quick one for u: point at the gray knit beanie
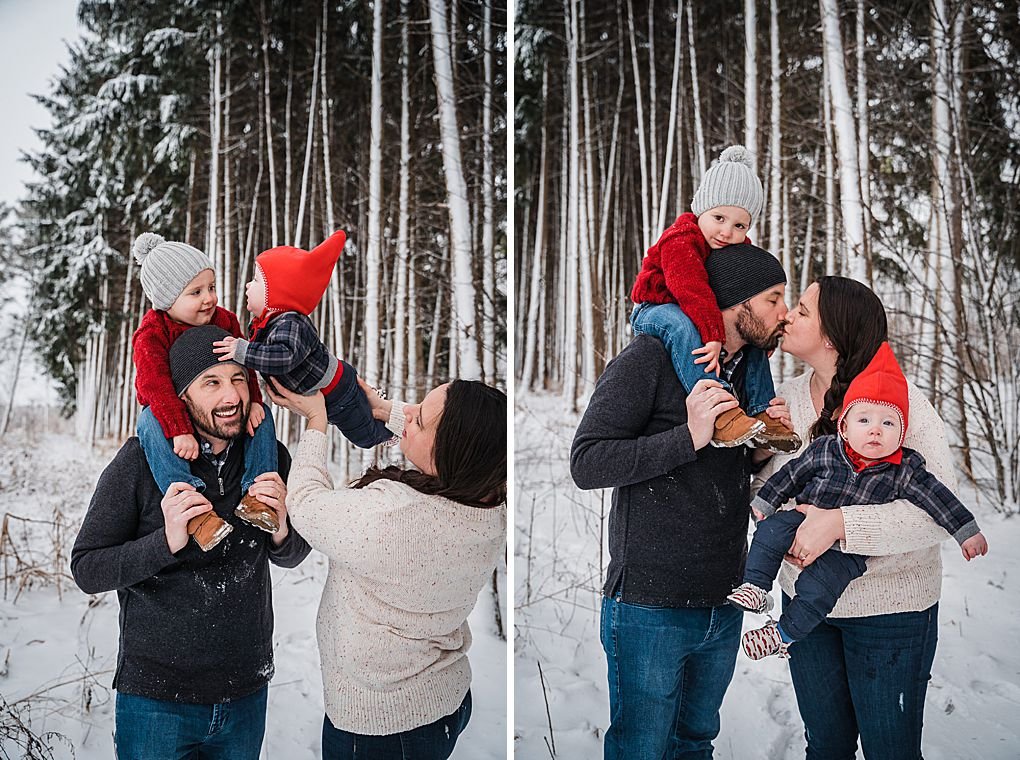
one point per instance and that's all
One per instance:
(192, 354)
(731, 181)
(739, 272)
(166, 267)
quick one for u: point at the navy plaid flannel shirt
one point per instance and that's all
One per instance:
(289, 350)
(823, 476)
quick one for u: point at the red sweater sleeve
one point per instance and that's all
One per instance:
(153, 383)
(229, 322)
(683, 257)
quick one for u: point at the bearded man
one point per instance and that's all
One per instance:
(196, 627)
(678, 525)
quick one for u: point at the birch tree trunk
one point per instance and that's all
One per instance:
(846, 142)
(215, 100)
(699, 132)
(533, 329)
(309, 140)
(646, 231)
(399, 375)
(775, 147)
(863, 137)
(373, 252)
(269, 128)
(460, 231)
(751, 79)
(570, 369)
(830, 180)
(488, 263)
(660, 222)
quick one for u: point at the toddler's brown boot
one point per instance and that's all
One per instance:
(734, 428)
(208, 529)
(262, 516)
(776, 436)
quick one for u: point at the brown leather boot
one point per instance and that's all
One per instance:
(208, 529)
(776, 436)
(262, 516)
(734, 428)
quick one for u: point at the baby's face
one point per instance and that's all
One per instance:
(197, 303)
(724, 225)
(872, 430)
(255, 290)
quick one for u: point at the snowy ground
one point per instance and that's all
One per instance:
(973, 698)
(58, 646)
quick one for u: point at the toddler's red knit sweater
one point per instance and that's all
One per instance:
(152, 341)
(673, 271)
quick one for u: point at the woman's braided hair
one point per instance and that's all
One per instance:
(853, 320)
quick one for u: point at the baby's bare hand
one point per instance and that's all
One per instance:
(226, 348)
(710, 354)
(186, 446)
(974, 546)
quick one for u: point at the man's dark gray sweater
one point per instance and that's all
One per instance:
(678, 525)
(197, 626)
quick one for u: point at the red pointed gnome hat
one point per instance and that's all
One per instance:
(881, 382)
(296, 279)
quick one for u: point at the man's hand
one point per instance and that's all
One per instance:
(180, 503)
(974, 546)
(709, 355)
(270, 489)
(186, 446)
(255, 417)
(704, 404)
(225, 348)
(778, 409)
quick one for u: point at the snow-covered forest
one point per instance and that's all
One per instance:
(888, 140)
(236, 126)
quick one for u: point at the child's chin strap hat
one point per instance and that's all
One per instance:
(296, 279)
(881, 382)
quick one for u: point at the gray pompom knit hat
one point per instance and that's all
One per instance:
(739, 272)
(192, 354)
(166, 267)
(731, 181)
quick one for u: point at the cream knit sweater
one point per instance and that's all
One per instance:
(405, 570)
(900, 539)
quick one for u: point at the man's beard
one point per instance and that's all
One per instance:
(214, 427)
(755, 332)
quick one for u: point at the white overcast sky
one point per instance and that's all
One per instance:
(32, 49)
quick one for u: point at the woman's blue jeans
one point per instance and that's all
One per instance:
(434, 741)
(668, 323)
(865, 677)
(155, 729)
(260, 453)
(668, 671)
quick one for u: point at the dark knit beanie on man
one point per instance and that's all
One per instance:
(739, 272)
(192, 354)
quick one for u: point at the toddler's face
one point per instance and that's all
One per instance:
(255, 290)
(724, 225)
(872, 430)
(197, 303)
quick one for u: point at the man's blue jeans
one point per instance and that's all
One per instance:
(668, 323)
(668, 671)
(434, 741)
(865, 677)
(154, 729)
(260, 453)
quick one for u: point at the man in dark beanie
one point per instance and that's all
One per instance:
(678, 525)
(196, 627)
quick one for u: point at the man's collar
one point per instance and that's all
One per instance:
(206, 448)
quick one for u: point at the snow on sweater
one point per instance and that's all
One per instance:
(900, 540)
(405, 569)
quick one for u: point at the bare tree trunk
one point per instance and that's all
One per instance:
(269, 128)
(309, 140)
(533, 330)
(488, 262)
(215, 100)
(863, 138)
(846, 142)
(830, 181)
(751, 79)
(699, 132)
(660, 222)
(460, 232)
(646, 231)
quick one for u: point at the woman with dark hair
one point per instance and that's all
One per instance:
(409, 550)
(864, 671)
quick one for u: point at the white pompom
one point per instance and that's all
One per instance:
(737, 154)
(145, 243)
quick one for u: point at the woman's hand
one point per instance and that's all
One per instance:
(819, 531)
(312, 408)
(381, 407)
